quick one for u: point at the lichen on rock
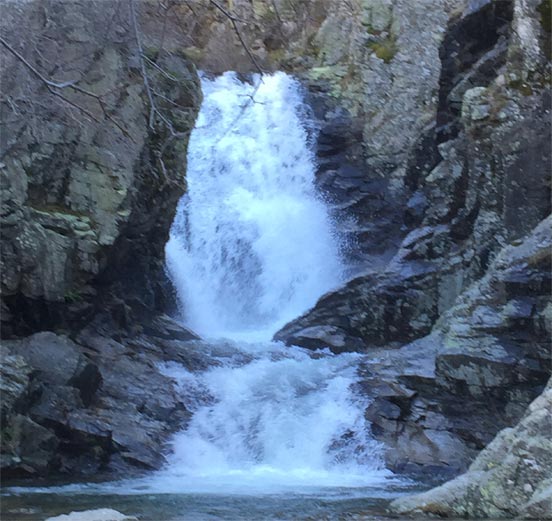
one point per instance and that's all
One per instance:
(84, 186)
(509, 478)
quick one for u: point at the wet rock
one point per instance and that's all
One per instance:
(28, 448)
(81, 407)
(370, 310)
(87, 381)
(485, 361)
(325, 337)
(166, 328)
(56, 357)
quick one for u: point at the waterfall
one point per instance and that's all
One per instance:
(252, 245)
(251, 248)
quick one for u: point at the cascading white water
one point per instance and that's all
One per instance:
(283, 421)
(251, 248)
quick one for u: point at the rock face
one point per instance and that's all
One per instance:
(91, 174)
(512, 477)
(92, 405)
(96, 115)
(470, 196)
(442, 398)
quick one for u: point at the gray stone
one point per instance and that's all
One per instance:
(84, 184)
(56, 357)
(100, 514)
(166, 328)
(511, 477)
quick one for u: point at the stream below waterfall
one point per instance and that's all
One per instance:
(276, 432)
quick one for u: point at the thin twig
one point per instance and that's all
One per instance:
(73, 104)
(160, 69)
(142, 63)
(243, 108)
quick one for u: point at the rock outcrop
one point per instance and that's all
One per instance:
(470, 196)
(512, 477)
(442, 398)
(97, 107)
(92, 405)
(91, 170)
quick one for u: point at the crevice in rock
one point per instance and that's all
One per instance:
(473, 49)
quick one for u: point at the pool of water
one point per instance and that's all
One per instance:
(36, 504)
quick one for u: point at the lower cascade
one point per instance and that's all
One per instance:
(252, 247)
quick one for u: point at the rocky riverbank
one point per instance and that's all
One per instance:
(509, 478)
(92, 406)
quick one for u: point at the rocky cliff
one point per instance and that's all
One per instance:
(91, 170)
(97, 108)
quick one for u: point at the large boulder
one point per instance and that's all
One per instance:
(510, 478)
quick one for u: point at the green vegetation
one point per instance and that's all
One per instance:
(545, 10)
(72, 296)
(385, 49)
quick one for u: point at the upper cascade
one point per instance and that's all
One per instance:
(252, 245)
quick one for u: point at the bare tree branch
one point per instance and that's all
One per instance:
(145, 79)
(51, 85)
(243, 108)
